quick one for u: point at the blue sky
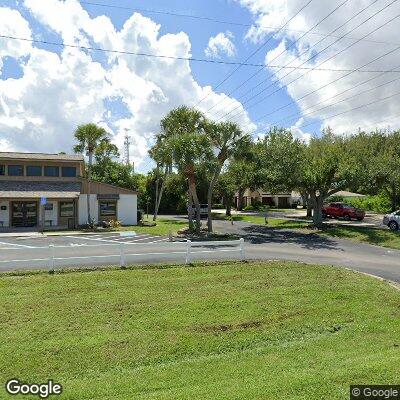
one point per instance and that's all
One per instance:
(45, 97)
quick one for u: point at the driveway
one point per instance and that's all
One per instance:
(262, 243)
(278, 244)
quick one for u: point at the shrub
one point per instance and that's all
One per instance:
(218, 207)
(379, 203)
(114, 224)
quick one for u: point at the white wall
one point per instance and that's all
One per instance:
(127, 209)
(82, 208)
(5, 215)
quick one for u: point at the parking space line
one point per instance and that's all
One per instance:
(141, 237)
(19, 245)
(95, 240)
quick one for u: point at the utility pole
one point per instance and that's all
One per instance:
(127, 145)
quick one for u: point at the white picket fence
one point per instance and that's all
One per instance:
(53, 256)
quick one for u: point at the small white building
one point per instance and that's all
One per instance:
(49, 189)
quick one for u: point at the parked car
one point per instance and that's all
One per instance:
(341, 210)
(203, 210)
(392, 220)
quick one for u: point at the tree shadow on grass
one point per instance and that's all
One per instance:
(257, 234)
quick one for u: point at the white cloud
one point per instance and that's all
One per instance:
(220, 45)
(13, 24)
(40, 110)
(298, 133)
(276, 13)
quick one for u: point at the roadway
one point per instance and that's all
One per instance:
(262, 243)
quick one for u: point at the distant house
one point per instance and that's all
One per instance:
(281, 200)
(35, 183)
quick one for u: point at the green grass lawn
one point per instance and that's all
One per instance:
(163, 227)
(272, 222)
(378, 237)
(218, 331)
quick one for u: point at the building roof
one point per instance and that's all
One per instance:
(41, 156)
(21, 189)
(344, 193)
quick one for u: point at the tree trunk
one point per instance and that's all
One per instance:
(159, 195)
(209, 198)
(309, 208)
(193, 192)
(228, 207)
(190, 211)
(156, 199)
(88, 188)
(317, 203)
(240, 196)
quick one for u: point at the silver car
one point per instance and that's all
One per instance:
(392, 220)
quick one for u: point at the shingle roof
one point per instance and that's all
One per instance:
(21, 189)
(41, 156)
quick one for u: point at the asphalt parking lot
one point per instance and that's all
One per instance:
(32, 242)
(52, 252)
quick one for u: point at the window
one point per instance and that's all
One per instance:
(66, 209)
(2, 170)
(108, 209)
(51, 171)
(15, 170)
(33, 170)
(68, 172)
(49, 207)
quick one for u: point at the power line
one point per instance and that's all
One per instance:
(170, 13)
(285, 50)
(353, 109)
(313, 56)
(254, 53)
(299, 114)
(302, 114)
(211, 19)
(329, 83)
(304, 52)
(100, 49)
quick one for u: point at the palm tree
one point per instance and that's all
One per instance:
(89, 137)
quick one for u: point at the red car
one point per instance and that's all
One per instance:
(340, 210)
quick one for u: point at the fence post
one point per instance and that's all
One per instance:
(51, 257)
(122, 255)
(242, 254)
(189, 245)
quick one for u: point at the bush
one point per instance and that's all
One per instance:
(257, 207)
(218, 207)
(379, 203)
(114, 224)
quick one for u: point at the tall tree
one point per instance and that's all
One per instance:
(89, 137)
(225, 188)
(162, 155)
(226, 141)
(324, 171)
(183, 139)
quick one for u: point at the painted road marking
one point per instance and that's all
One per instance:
(19, 245)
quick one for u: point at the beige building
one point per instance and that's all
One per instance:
(48, 189)
(281, 200)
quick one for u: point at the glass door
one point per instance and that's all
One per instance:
(24, 214)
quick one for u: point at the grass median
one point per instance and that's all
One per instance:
(218, 331)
